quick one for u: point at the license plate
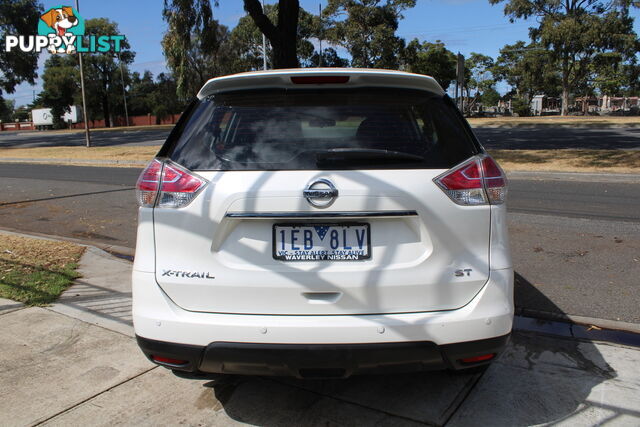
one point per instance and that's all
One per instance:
(321, 242)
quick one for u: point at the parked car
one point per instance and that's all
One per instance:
(322, 223)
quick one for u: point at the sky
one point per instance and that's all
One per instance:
(464, 26)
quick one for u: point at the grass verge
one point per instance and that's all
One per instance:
(565, 160)
(35, 271)
(114, 154)
(569, 160)
(556, 121)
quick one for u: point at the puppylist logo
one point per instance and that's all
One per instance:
(61, 30)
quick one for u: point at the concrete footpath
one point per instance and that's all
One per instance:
(77, 363)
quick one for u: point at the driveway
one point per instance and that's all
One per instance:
(76, 363)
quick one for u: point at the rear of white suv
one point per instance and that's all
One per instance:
(321, 223)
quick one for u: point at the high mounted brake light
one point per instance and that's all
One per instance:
(478, 181)
(318, 80)
(167, 185)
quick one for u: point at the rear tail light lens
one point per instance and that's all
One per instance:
(478, 181)
(167, 185)
(495, 181)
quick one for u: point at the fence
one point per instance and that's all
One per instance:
(146, 120)
(13, 126)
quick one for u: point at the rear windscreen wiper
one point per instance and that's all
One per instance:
(344, 154)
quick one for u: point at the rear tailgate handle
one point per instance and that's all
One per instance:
(322, 297)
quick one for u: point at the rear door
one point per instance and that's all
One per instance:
(322, 203)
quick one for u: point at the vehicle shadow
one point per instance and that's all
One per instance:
(539, 379)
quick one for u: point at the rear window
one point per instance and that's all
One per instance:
(323, 130)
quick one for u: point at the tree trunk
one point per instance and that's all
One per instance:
(284, 36)
(565, 86)
(106, 111)
(286, 54)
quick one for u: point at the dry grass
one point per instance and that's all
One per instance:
(121, 128)
(129, 153)
(586, 121)
(569, 160)
(35, 271)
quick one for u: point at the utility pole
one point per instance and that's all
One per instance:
(460, 82)
(87, 135)
(264, 44)
(320, 17)
(124, 93)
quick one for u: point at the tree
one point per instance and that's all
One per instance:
(195, 45)
(366, 28)
(282, 35)
(330, 58)
(191, 24)
(6, 110)
(478, 68)
(432, 59)
(478, 77)
(246, 40)
(575, 32)
(529, 69)
(60, 86)
(141, 93)
(490, 97)
(18, 17)
(103, 81)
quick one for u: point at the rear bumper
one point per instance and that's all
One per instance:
(167, 330)
(320, 360)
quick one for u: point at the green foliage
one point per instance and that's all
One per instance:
(61, 83)
(330, 58)
(478, 72)
(520, 107)
(192, 29)
(490, 97)
(432, 59)
(6, 109)
(18, 17)
(575, 32)
(366, 28)
(529, 69)
(157, 97)
(283, 34)
(195, 45)
(246, 41)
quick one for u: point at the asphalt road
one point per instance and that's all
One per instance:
(575, 243)
(559, 138)
(492, 138)
(98, 139)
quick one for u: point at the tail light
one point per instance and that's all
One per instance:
(167, 185)
(478, 181)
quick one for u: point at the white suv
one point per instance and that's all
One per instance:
(321, 223)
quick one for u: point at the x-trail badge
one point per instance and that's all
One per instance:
(321, 193)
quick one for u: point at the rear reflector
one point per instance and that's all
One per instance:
(478, 181)
(169, 360)
(319, 80)
(477, 359)
(167, 185)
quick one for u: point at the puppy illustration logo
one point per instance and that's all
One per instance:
(64, 23)
(62, 30)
